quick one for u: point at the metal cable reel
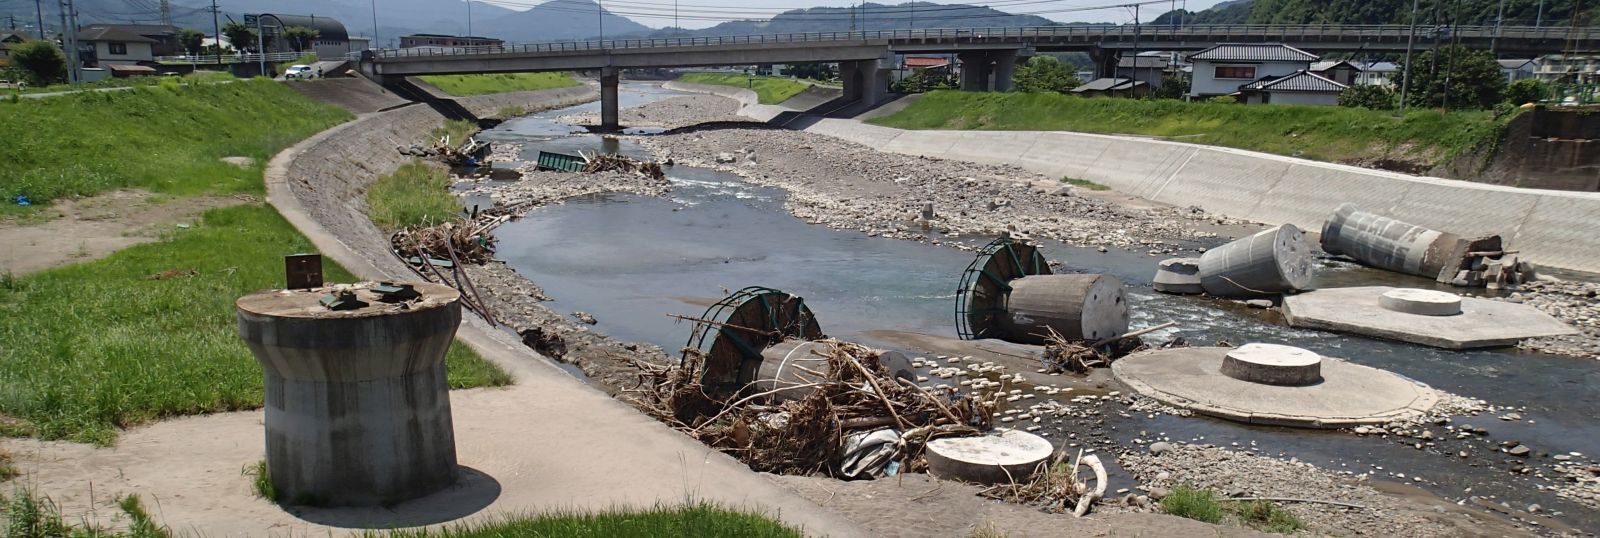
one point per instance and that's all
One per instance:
(734, 331)
(1009, 292)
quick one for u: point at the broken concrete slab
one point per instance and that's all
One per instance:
(1481, 323)
(1348, 395)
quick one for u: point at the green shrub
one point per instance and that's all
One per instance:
(40, 61)
(1224, 99)
(1371, 97)
(1044, 74)
(416, 194)
(1193, 503)
(1528, 90)
(1263, 515)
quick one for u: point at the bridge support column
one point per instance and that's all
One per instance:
(974, 71)
(1005, 65)
(608, 98)
(865, 81)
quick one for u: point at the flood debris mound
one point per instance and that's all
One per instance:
(608, 162)
(469, 153)
(460, 241)
(859, 421)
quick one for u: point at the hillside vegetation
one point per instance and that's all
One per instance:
(1421, 138)
(769, 90)
(168, 138)
(468, 85)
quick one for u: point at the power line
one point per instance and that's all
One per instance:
(634, 6)
(820, 17)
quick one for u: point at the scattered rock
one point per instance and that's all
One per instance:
(1160, 447)
(1520, 451)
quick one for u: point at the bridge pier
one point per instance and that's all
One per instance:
(1005, 65)
(608, 98)
(865, 81)
(974, 71)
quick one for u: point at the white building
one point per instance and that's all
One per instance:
(1300, 88)
(1516, 70)
(1385, 74)
(1224, 69)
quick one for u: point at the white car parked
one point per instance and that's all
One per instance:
(298, 71)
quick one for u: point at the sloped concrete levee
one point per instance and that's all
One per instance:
(1552, 228)
(552, 443)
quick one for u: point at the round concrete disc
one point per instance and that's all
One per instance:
(999, 457)
(1421, 302)
(1179, 275)
(1272, 364)
(1349, 394)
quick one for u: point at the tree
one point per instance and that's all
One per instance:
(242, 36)
(1043, 74)
(41, 62)
(923, 81)
(813, 71)
(300, 36)
(1475, 80)
(1370, 97)
(1173, 86)
(191, 40)
(1528, 90)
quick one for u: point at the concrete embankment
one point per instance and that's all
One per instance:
(554, 443)
(1554, 229)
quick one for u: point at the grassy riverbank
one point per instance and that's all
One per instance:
(149, 332)
(1327, 133)
(769, 90)
(416, 194)
(468, 85)
(167, 138)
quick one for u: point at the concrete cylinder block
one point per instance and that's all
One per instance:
(357, 403)
(1390, 244)
(1273, 364)
(1269, 262)
(1421, 302)
(1179, 275)
(1000, 457)
(1079, 307)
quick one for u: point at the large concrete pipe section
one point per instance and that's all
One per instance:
(1078, 307)
(357, 404)
(1398, 246)
(789, 366)
(1270, 262)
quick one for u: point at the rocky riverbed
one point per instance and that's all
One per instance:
(1576, 303)
(848, 186)
(670, 113)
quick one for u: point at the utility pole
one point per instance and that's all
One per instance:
(261, 48)
(1499, 17)
(1455, 50)
(1411, 40)
(469, 18)
(374, 25)
(675, 25)
(66, 46)
(216, 30)
(600, 15)
(1538, 18)
(39, 10)
(852, 18)
(166, 13)
(1135, 46)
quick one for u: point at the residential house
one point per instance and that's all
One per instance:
(1146, 68)
(109, 45)
(1339, 71)
(1298, 88)
(6, 41)
(1516, 70)
(1113, 87)
(1386, 74)
(332, 41)
(164, 38)
(1223, 69)
(441, 40)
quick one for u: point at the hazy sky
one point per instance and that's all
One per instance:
(705, 13)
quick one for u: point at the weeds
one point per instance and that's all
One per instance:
(457, 130)
(1084, 183)
(260, 481)
(513, 111)
(30, 515)
(1205, 505)
(415, 194)
(141, 525)
(1263, 515)
(769, 90)
(1328, 133)
(1193, 503)
(7, 468)
(467, 85)
(698, 520)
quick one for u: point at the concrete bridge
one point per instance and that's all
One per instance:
(988, 55)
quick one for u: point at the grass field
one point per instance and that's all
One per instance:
(97, 346)
(769, 90)
(197, 77)
(415, 194)
(166, 138)
(27, 514)
(1325, 133)
(693, 521)
(466, 85)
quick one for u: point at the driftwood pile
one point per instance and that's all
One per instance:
(808, 435)
(1058, 487)
(469, 153)
(1062, 355)
(436, 253)
(609, 162)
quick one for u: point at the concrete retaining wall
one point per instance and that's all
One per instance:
(1556, 229)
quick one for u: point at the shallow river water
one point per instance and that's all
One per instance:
(632, 260)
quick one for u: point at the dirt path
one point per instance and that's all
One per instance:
(82, 229)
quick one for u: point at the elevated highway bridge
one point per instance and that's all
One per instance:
(988, 55)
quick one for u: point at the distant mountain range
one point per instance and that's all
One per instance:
(1430, 12)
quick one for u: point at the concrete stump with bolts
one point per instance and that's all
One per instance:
(357, 403)
(1272, 364)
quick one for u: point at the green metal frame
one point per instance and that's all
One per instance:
(706, 335)
(984, 267)
(560, 161)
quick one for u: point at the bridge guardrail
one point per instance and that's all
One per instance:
(1257, 31)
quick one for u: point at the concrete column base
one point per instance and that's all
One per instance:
(974, 71)
(1005, 65)
(609, 78)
